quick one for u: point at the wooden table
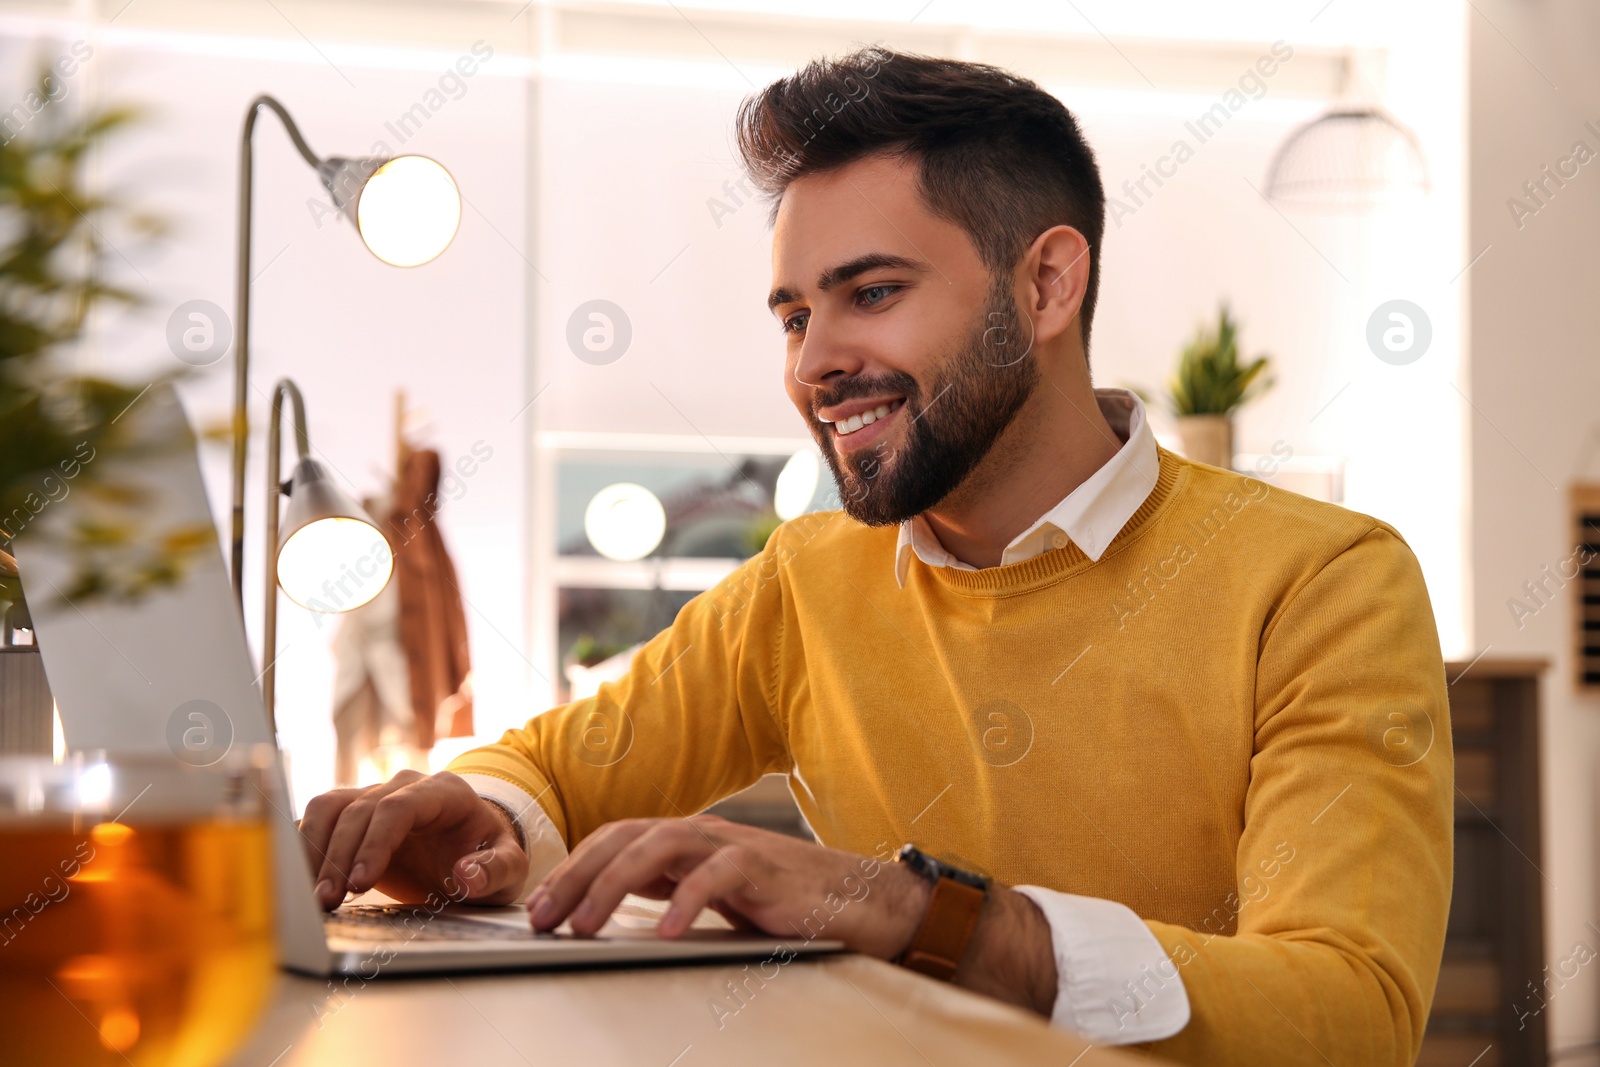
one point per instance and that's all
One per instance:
(842, 1009)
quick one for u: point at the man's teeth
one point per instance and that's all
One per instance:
(866, 418)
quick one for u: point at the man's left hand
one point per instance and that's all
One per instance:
(754, 878)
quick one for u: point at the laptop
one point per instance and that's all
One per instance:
(120, 672)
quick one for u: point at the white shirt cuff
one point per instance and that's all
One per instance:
(541, 842)
(1117, 986)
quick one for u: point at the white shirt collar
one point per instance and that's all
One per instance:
(1091, 515)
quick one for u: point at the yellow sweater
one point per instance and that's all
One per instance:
(1235, 723)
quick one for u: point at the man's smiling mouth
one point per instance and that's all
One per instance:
(866, 418)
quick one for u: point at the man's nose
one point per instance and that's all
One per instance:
(826, 354)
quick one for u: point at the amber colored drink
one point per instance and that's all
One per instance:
(132, 943)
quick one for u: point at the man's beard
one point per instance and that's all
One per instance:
(975, 398)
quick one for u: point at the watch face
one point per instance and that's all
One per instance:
(918, 861)
(933, 869)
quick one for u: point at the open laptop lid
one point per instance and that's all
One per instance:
(171, 672)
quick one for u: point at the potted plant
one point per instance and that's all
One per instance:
(55, 422)
(1210, 384)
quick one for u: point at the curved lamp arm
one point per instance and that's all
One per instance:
(241, 314)
(275, 489)
(414, 221)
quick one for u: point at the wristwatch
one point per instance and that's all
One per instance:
(953, 910)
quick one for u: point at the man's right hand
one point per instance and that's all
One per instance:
(414, 835)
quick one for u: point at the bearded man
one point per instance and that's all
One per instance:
(1125, 718)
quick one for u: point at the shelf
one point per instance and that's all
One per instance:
(677, 574)
(696, 444)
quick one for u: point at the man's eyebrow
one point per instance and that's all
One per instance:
(842, 273)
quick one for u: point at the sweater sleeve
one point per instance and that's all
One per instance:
(690, 723)
(1329, 951)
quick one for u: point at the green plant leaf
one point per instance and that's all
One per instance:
(1209, 379)
(54, 421)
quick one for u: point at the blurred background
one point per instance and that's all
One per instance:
(1447, 184)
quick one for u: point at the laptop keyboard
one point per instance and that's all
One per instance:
(401, 922)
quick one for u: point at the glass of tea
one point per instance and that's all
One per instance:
(136, 910)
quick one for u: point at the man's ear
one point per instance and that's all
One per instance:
(1057, 275)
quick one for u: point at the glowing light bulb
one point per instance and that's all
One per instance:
(797, 484)
(625, 521)
(409, 210)
(334, 564)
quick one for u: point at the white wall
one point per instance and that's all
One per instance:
(1304, 285)
(626, 170)
(347, 328)
(1535, 383)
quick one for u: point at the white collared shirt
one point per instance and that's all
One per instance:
(1105, 954)
(1091, 515)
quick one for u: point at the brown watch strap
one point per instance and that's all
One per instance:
(947, 926)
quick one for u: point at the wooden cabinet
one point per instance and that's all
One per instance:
(1488, 1010)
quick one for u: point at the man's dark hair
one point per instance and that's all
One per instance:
(999, 156)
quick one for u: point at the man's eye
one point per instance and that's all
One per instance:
(875, 294)
(796, 323)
